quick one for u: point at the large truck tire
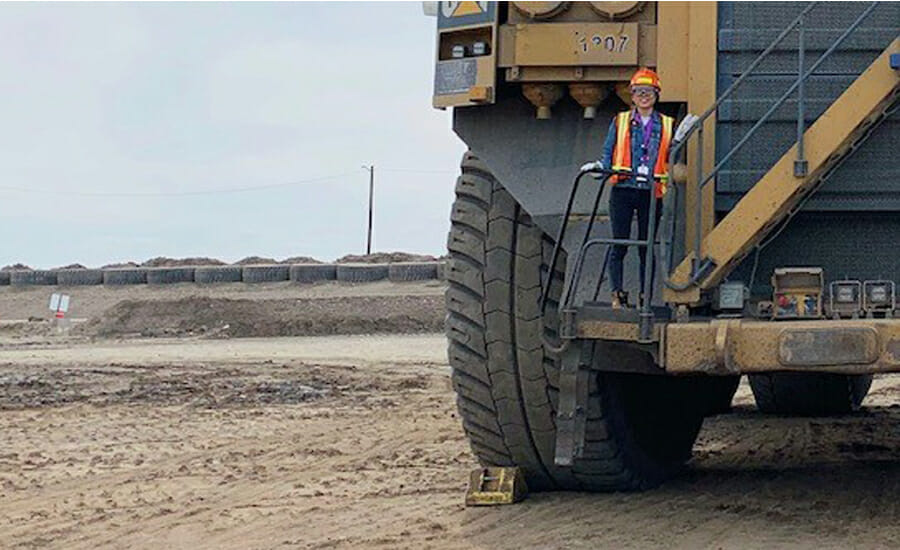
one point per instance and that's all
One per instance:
(79, 277)
(362, 273)
(265, 273)
(719, 392)
(169, 275)
(640, 428)
(313, 273)
(412, 271)
(809, 394)
(125, 276)
(214, 274)
(36, 277)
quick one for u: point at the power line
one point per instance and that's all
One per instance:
(417, 171)
(206, 191)
(173, 193)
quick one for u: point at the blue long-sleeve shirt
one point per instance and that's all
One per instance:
(637, 142)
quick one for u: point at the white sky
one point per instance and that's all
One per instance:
(172, 98)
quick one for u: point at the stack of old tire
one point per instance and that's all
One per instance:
(251, 270)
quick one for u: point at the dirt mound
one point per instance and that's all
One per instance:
(16, 267)
(241, 318)
(300, 260)
(71, 266)
(384, 258)
(31, 328)
(255, 260)
(162, 261)
(120, 265)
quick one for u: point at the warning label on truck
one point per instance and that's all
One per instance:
(458, 14)
(454, 76)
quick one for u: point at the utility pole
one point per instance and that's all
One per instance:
(371, 170)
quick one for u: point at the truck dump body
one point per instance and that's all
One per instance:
(853, 220)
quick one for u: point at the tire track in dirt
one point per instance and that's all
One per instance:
(274, 454)
(379, 461)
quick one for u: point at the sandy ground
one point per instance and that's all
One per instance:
(353, 442)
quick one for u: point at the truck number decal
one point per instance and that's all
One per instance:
(609, 42)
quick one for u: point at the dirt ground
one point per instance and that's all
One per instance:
(223, 311)
(352, 441)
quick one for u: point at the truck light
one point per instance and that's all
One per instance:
(458, 51)
(846, 295)
(480, 48)
(878, 296)
(732, 296)
(846, 298)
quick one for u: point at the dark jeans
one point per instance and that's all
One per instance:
(623, 203)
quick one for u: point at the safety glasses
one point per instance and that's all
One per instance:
(643, 91)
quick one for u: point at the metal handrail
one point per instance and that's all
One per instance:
(700, 265)
(571, 285)
(734, 85)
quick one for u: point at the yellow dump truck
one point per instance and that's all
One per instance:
(777, 254)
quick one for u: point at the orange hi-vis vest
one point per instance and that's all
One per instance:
(621, 158)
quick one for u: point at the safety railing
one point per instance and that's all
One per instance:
(571, 285)
(702, 266)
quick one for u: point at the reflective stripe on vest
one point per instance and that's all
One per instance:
(621, 159)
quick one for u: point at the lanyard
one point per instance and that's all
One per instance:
(646, 132)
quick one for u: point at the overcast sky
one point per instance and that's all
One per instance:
(158, 98)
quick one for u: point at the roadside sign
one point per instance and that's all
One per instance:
(59, 304)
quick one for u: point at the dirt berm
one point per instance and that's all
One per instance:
(242, 318)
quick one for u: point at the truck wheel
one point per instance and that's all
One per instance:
(640, 428)
(809, 394)
(719, 392)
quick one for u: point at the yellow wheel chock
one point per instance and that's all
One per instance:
(495, 485)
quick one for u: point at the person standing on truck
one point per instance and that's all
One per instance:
(638, 143)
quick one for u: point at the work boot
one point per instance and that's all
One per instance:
(619, 299)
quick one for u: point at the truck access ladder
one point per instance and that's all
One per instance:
(781, 191)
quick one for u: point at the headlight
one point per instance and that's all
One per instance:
(878, 296)
(846, 298)
(846, 295)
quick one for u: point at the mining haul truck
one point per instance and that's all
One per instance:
(777, 254)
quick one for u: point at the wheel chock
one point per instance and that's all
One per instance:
(495, 485)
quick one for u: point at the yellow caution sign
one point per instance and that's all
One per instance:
(462, 9)
(457, 14)
(468, 8)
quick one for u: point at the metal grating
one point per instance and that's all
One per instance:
(870, 180)
(830, 232)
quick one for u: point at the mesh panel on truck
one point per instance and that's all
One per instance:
(850, 227)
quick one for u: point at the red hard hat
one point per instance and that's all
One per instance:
(645, 77)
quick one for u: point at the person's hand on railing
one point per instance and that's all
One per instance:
(687, 124)
(595, 166)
